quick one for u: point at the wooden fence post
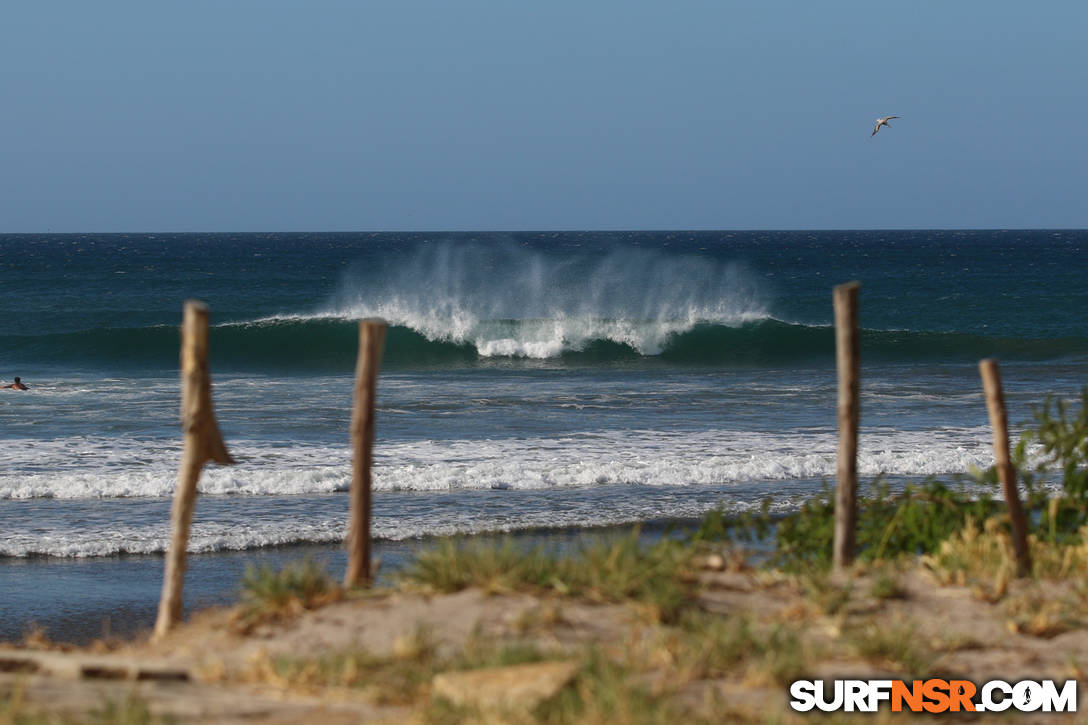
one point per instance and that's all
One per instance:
(371, 343)
(847, 358)
(999, 422)
(202, 442)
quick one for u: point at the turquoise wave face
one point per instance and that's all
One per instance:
(330, 345)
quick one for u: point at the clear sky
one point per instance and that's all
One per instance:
(264, 115)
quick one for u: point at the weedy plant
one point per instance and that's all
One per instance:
(917, 520)
(711, 646)
(886, 584)
(1062, 438)
(268, 593)
(455, 564)
(606, 692)
(395, 679)
(897, 644)
(133, 710)
(622, 568)
(914, 521)
(827, 594)
(1042, 614)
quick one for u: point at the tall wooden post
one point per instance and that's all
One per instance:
(202, 442)
(849, 367)
(999, 422)
(371, 343)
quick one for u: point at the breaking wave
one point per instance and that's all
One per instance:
(467, 304)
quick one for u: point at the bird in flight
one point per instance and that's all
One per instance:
(882, 122)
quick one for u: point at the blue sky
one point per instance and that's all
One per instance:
(246, 115)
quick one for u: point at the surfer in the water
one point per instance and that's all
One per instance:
(17, 385)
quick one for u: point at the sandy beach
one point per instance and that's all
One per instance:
(543, 363)
(508, 656)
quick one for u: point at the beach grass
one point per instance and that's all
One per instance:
(400, 677)
(892, 644)
(707, 646)
(659, 576)
(131, 710)
(268, 593)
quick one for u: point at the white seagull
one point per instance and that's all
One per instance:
(882, 122)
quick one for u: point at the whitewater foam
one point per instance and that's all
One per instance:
(513, 302)
(126, 468)
(242, 524)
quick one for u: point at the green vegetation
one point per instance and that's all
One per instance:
(912, 522)
(605, 692)
(636, 681)
(894, 644)
(659, 576)
(886, 584)
(1063, 439)
(829, 596)
(918, 520)
(982, 550)
(612, 684)
(395, 679)
(712, 646)
(131, 711)
(268, 593)
(399, 678)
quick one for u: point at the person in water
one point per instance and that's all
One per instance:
(17, 385)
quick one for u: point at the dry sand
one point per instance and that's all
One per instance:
(210, 671)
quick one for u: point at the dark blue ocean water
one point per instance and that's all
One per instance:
(531, 380)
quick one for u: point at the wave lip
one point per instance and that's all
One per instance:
(508, 301)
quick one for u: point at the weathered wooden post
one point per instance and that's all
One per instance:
(371, 343)
(202, 442)
(999, 422)
(849, 367)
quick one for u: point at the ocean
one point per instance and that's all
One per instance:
(544, 383)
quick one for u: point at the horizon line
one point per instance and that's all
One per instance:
(556, 230)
